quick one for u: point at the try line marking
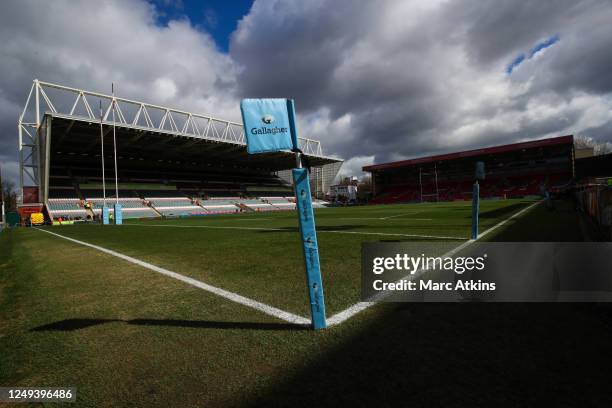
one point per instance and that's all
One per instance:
(358, 307)
(234, 297)
(392, 234)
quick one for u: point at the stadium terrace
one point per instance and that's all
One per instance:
(519, 170)
(170, 163)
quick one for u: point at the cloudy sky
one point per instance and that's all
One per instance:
(374, 81)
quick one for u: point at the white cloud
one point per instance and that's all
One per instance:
(372, 80)
(353, 166)
(164, 89)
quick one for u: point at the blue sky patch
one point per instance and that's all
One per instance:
(543, 45)
(219, 18)
(532, 52)
(517, 61)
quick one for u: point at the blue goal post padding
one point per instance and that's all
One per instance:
(105, 215)
(118, 216)
(303, 201)
(269, 125)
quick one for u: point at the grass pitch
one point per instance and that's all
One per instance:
(259, 255)
(126, 336)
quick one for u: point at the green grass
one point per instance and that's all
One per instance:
(126, 336)
(259, 254)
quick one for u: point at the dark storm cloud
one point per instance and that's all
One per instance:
(379, 81)
(423, 76)
(503, 28)
(293, 49)
(343, 56)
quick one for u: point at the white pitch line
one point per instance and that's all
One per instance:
(348, 313)
(398, 215)
(234, 297)
(391, 234)
(360, 306)
(379, 219)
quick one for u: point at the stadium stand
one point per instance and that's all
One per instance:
(595, 166)
(143, 193)
(55, 192)
(281, 203)
(68, 208)
(220, 205)
(184, 155)
(256, 205)
(512, 171)
(174, 193)
(110, 193)
(130, 207)
(175, 206)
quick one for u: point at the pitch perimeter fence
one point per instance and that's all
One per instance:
(594, 198)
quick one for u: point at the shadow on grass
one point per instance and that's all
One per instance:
(469, 354)
(542, 225)
(79, 324)
(449, 355)
(500, 212)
